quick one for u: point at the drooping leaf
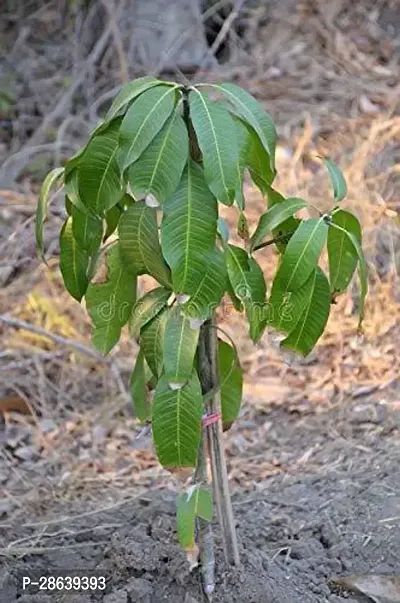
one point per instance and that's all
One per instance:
(68, 205)
(337, 179)
(99, 180)
(362, 267)
(176, 422)
(206, 294)
(278, 213)
(140, 245)
(188, 229)
(248, 285)
(138, 388)
(152, 341)
(196, 501)
(231, 382)
(259, 164)
(110, 303)
(250, 110)
(142, 122)
(41, 209)
(112, 217)
(72, 190)
(243, 146)
(180, 344)
(302, 253)
(288, 227)
(342, 256)
(129, 92)
(159, 169)
(74, 262)
(314, 318)
(223, 230)
(87, 230)
(146, 308)
(284, 308)
(215, 133)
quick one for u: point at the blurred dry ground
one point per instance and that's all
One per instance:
(328, 72)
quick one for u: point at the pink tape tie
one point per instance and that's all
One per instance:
(211, 418)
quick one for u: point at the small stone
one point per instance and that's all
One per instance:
(27, 453)
(47, 425)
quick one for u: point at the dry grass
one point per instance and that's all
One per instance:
(326, 83)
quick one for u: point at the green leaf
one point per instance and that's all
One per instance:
(223, 229)
(248, 285)
(74, 262)
(243, 145)
(342, 256)
(243, 227)
(337, 179)
(147, 307)
(188, 229)
(99, 180)
(231, 382)
(215, 133)
(110, 303)
(129, 92)
(176, 422)
(274, 217)
(158, 170)
(302, 253)
(206, 294)
(142, 122)
(41, 209)
(152, 341)
(288, 227)
(195, 502)
(112, 218)
(237, 304)
(362, 267)
(314, 318)
(72, 190)
(87, 230)
(284, 307)
(250, 110)
(138, 390)
(258, 162)
(180, 344)
(140, 245)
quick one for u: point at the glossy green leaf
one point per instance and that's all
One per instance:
(284, 308)
(87, 230)
(288, 227)
(140, 245)
(41, 209)
(112, 217)
(129, 92)
(74, 262)
(146, 308)
(196, 501)
(110, 303)
(99, 180)
(314, 318)
(180, 344)
(362, 267)
(68, 205)
(258, 162)
(302, 253)
(158, 170)
(231, 382)
(342, 256)
(142, 122)
(189, 229)
(152, 342)
(337, 179)
(72, 190)
(215, 133)
(250, 110)
(176, 422)
(243, 141)
(138, 389)
(248, 285)
(207, 293)
(274, 217)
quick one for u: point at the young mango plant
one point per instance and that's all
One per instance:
(144, 195)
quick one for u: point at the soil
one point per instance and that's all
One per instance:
(297, 530)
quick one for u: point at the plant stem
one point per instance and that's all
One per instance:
(208, 362)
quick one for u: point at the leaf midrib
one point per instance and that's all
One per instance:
(299, 259)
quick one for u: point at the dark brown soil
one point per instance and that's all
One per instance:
(297, 530)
